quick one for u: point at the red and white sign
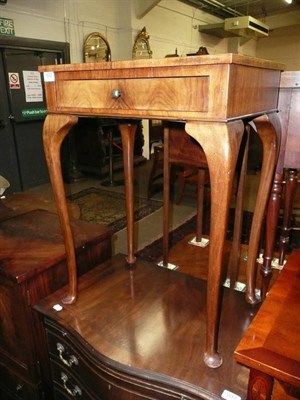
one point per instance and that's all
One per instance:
(14, 80)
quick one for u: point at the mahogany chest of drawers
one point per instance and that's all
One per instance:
(137, 332)
(33, 265)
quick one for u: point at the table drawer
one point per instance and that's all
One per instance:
(138, 95)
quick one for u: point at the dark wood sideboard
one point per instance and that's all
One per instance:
(33, 265)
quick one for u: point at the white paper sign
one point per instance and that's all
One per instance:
(49, 76)
(33, 86)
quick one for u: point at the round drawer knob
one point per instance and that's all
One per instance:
(116, 93)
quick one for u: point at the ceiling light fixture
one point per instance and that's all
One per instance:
(288, 1)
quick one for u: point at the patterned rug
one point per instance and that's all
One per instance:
(108, 208)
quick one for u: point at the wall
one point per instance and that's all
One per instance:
(171, 25)
(69, 21)
(282, 45)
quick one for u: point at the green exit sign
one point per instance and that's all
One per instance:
(7, 27)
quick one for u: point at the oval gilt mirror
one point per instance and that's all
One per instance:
(96, 48)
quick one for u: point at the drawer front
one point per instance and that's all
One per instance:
(13, 387)
(137, 96)
(94, 378)
(60, 394)
(67, 364)
(67, 385)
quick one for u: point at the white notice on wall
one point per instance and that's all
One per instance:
(33, 86)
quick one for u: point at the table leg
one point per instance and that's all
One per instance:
(265, 127)
(128, 137)
(235, 252)
(270, 234)
(56, 128)
(200, 203)
(221, 143)
(290, 193)
(166, 197)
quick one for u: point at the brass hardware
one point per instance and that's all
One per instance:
(71, 361)
(72, 392)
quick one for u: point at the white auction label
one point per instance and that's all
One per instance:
(230, 396)
(49, 76)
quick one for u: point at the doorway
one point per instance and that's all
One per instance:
(23, 109)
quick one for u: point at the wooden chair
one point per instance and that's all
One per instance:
(189, 175)
(156, 173)
(181, 149)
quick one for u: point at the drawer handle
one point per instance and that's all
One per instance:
(72, 392)
(71, 361)
(116, 93)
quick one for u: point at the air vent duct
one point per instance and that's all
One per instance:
(244, 26)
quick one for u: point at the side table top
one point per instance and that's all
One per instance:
(223, 87)
(271, 343)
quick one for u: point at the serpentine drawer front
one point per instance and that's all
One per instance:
(76, 372)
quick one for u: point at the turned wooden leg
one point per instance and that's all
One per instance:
(128, 138)
(290, 193)
(270, 234)
(56, 127)
(221, 143)
(268, 135)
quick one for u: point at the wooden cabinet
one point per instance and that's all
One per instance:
(33, 265)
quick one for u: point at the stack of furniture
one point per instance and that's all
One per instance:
(288, 165)
(216, 96)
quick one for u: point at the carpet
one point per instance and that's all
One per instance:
(108, 208)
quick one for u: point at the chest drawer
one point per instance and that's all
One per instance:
(76, 368)
(14, 387)
(68, 385)
(73, 372)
